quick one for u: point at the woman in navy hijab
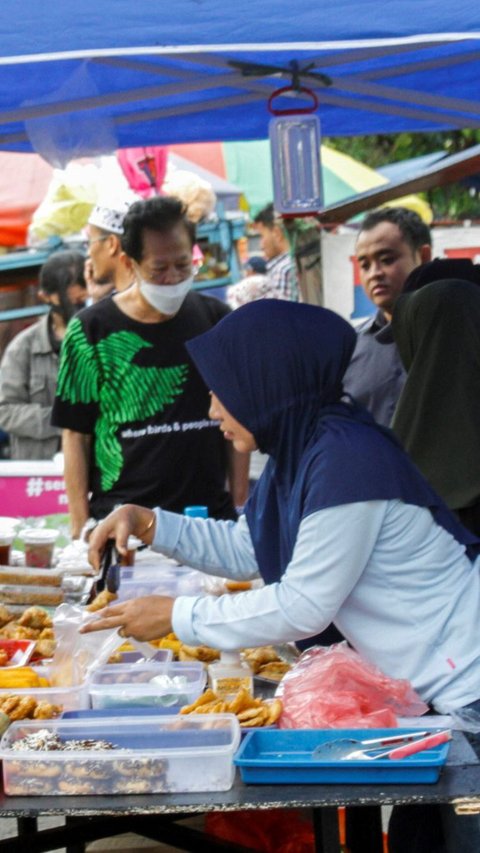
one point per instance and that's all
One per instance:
(341, 526)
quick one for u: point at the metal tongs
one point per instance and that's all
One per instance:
(398, 746)
(109, 576)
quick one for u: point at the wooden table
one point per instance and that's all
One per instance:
(155, 816)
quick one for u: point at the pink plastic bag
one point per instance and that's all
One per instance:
(333, 687)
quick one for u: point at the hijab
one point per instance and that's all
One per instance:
(437, 331)
(277, 367)
(442, 269)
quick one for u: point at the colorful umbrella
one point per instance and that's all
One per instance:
(248, 165)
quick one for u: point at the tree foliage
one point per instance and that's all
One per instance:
(459, 200)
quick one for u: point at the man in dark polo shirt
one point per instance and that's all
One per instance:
(392, 242)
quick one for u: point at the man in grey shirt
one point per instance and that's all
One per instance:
(391, 243)
(29, 367)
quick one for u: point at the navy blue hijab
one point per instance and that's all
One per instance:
(277, 367)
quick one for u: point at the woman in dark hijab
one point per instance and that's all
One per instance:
(437, 419)
(325, 525)
(341, 525)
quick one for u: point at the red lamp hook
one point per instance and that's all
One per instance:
(298, 110)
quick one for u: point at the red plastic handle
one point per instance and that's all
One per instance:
(295, 110)
(419, 745)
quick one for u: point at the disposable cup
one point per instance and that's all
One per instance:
(39, 544)
(7, 536)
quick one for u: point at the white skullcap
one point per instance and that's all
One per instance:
(109, 218)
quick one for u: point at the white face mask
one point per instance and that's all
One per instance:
(165, 298)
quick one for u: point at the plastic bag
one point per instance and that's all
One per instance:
(77, 654)
(333, 687)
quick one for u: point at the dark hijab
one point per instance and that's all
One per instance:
(277, 367)
(437, 331)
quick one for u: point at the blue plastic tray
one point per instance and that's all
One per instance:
(285, 756)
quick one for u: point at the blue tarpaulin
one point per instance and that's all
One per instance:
(85, 78)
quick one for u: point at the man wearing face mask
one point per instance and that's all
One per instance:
(133, 408)
(28, 371)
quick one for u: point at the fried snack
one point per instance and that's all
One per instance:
(238, 586)
(102, 600)
(275, 670)
(46, 634)
(250, 712)
(23, 708)
(35, 617)
(14, 631)
(46, 710)
(27, 708)
(202, 653)
(208, 696)
(5, 615)
(260, 656)
(240, 701)
(45, 648)
(3, 657)
(275, 708)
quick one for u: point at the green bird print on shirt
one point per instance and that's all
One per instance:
(103, 373)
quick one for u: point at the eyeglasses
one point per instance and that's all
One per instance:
(92, 240)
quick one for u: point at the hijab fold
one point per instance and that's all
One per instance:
(277, 367)
(437, 419)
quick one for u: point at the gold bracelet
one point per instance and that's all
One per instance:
(148, 527)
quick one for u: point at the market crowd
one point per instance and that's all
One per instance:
(366, 516)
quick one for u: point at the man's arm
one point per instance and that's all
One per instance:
(76, 451)
(238, 466)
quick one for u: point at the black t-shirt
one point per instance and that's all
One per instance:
(134, 388)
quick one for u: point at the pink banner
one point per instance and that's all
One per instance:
(34, 495)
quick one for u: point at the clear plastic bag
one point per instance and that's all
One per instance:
(77, 654)
(333, 687)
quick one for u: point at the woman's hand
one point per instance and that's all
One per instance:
(128, 520)
(146, 618)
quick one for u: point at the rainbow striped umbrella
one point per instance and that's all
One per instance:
(248, 166)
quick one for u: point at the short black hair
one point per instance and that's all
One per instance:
(257, 264)
(161, 213)
(266, 216)
(61, 270)
(411, 226)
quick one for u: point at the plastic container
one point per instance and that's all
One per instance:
(18, 652)
(173, 581)
(228, 675)
(150, 684)
(39, 544)
(23, 576)
(161, 656)
(76, 588)
(43, 596)
(69, 698)
(286, 756)
(160, 754)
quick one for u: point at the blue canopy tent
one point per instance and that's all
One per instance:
(85, 79)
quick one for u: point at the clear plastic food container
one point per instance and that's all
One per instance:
(24, 576)
(152, 755)
(153, 684)
(68, 698)
(39, 544)
(172, 582)
(29, 594)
